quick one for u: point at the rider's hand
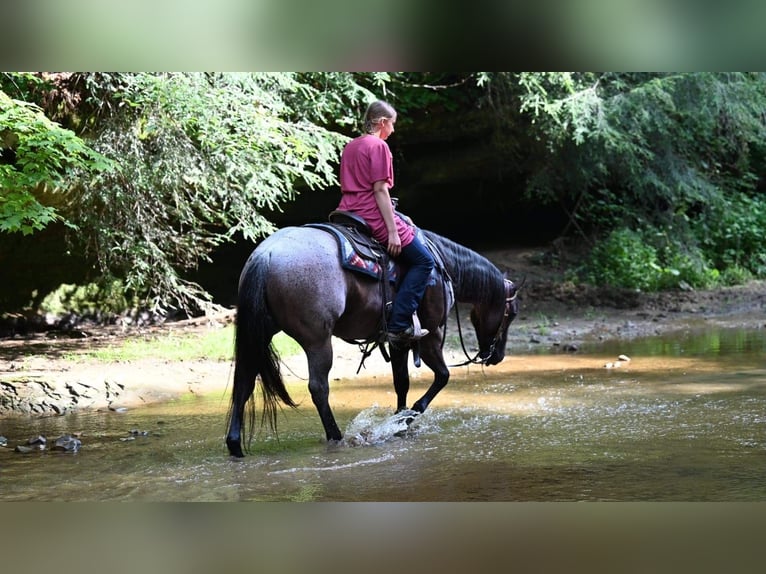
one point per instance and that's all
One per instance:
(394, 244)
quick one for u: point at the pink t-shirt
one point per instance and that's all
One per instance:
(364, 161)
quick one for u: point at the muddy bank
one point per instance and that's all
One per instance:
(52, 373)
(56, 387)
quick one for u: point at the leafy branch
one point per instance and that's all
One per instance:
(38, 158)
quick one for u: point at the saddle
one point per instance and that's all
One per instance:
(359, 251)
(359, 233)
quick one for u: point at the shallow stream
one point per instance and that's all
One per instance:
(683, 420)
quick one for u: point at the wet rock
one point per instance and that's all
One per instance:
(38, 440)
(67, 443)
(3, 441)
(23, 449)
(136, 432)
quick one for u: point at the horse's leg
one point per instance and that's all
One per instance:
(320, 362)
(244, 384)
(401, 375)
(431, 353)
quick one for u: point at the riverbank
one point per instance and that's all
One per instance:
(42, 375)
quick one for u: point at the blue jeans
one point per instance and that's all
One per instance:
(418, 263)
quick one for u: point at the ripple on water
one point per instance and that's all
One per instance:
(336, 466)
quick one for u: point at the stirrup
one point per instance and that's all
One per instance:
(407, 336)
(411, 334)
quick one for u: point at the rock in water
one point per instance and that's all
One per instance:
(38, 440)
(67, 443)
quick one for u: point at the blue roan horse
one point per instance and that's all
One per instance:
(293, 282)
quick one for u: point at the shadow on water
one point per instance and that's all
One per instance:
(684, 420)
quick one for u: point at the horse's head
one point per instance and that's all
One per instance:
(491, 323)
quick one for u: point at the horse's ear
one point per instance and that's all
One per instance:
(517, 287)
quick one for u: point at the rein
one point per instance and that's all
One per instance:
(477, 359)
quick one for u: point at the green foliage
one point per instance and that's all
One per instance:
(20, 211)
(732, 233)
(736, 275)
(214, 344)
(202, 157)
(107, 296)
(647, 261)
(651, 151)
(659, 143)
(37, 159)
(677, 156)
(623, 259)
(334, 99)
(685, 268)
(563, 104)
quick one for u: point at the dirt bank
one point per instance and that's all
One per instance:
(42, 376)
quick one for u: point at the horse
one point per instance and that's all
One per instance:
(293, 282)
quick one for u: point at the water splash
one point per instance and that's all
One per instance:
(377, 425)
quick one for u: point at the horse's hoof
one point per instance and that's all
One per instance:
(406, 416)
(235, 449)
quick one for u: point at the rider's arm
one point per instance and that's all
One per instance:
(383, 199)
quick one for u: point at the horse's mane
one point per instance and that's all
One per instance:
(475, 278)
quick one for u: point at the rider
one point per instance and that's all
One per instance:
(366, 175)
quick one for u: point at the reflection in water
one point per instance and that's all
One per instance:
(684, 420)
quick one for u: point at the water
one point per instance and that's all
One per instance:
(684, 420)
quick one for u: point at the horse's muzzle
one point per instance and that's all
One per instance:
(492, 359)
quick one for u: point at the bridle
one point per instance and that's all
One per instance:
(511, 292)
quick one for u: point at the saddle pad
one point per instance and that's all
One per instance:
(351, 260)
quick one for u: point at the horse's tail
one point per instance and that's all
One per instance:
(254, 353)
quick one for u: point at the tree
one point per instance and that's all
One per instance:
(641, 146)
(201, 157)
(670, 155)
